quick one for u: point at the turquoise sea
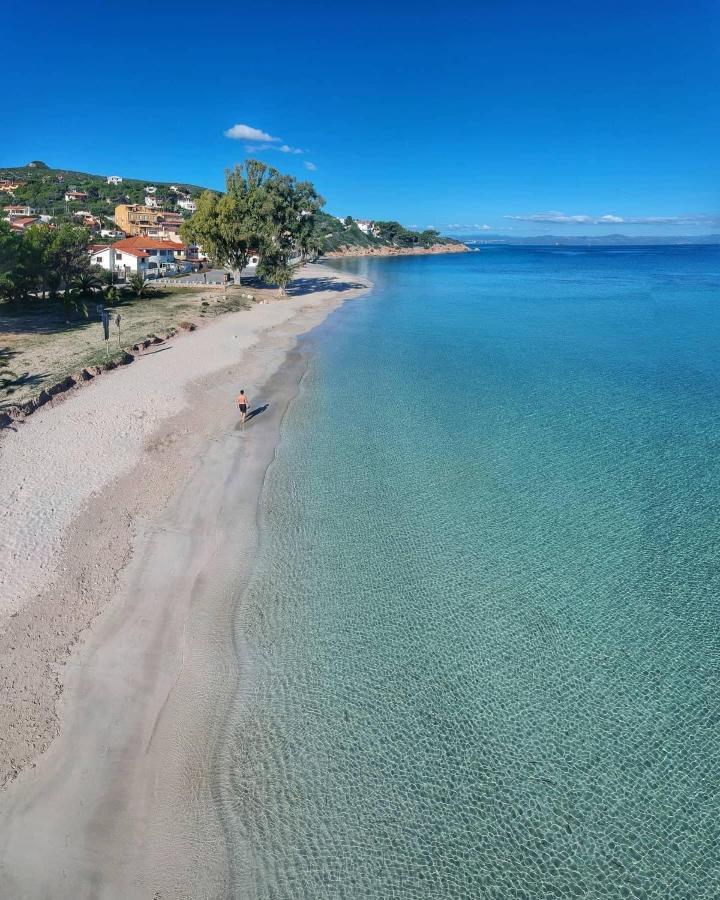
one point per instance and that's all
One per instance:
(481, 644)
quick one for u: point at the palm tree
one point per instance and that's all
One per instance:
(86, 283)
(139, 284)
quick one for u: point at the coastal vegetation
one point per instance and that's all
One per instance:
(262, 211)
(42, 260)
(333, 234)
(139, 285)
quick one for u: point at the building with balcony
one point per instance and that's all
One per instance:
(137, 220)
(17, 210)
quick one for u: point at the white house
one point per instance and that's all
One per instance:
(114, 179)
(121, 262)
(150, 189)
(75, 196)
(148, 256)
(189, 205)
(151, 201)
(18, 210)
(365, 225)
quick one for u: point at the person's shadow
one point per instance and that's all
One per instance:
(256, 412)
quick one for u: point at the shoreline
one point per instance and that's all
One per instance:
(397, 251)
(132, 624)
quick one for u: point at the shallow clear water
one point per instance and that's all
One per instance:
(482, 639)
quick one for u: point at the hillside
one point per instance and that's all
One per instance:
(43, 188)
(344, 236)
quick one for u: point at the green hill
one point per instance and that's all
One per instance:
(336, 235)
(44, 188)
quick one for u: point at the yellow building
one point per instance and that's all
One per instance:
(143, 221)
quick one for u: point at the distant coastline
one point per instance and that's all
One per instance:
(454, 247)
(605, 240)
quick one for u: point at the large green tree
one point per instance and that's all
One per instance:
(261, 211)
(38, 240)
(23, 262)
(11, 252)
(68, 254)
(286, 224)
(223, 225)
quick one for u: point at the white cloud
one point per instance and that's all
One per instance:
(248, 133)
(284, 148)
(559, 218)
(310, 165)
(466, 228)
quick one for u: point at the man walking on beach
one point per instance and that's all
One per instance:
(243, 403)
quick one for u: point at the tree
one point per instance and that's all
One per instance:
(429, 237)
(106, 276)
(276, 268)
(53, 282)
(285, 224)
(261, 211)
(9, 259)
(87, 282)
(19, 267)
(221, 224)
(67, 254)
(139, 285)
(38, 240)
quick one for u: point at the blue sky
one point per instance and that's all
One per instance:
(516, 117)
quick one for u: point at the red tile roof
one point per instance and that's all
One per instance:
(144, 243)
(140, 254)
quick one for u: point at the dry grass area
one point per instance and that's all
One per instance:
(38, 348)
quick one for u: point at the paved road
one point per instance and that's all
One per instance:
(214, 276)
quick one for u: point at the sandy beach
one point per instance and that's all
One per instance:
(128, 522)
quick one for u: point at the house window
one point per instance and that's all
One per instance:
(98, 259)
(118, 255)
